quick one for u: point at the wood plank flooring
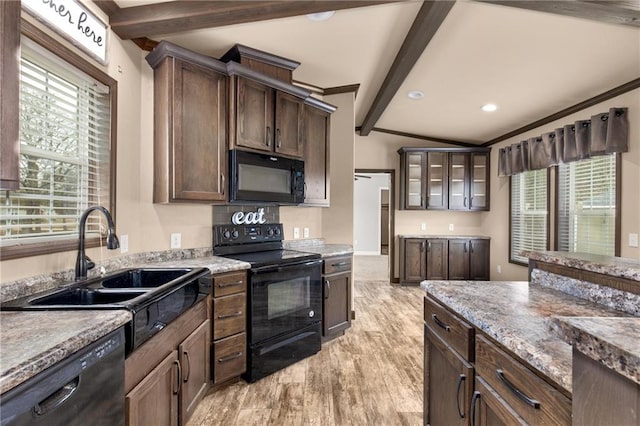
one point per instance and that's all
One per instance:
(370, 376)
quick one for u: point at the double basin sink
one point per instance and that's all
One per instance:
(154, 296)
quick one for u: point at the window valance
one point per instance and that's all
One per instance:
(604, 133)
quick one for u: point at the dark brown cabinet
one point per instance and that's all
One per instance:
(336, 294)
(229, 346)
(489, 409)
(190, 122)
(166, 378)
(267, 119)
(316, 156)
(441, 179)
(443, 259)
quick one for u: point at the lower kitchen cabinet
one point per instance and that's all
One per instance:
(167, 377)
(336, 292)
(443, 259)
(229, 346)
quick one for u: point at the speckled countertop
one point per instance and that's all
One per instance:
(449, 237)
(607, 265)
(34, 341)
(613, 342)
(517, 315)
(320, 247)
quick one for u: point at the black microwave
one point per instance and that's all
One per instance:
(265, 178)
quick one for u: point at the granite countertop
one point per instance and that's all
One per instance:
(318, 246)
(215, 264)
(449, 237)
(34, 341)
(518, 316)
(613, 342)
(607, 265)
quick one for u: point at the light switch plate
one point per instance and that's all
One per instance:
(176, 240)
(296, 233)
(423, 226)
(124, 243)
(633, 240)
(451, 227)
(305, 232)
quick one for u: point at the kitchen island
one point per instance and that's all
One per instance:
(529, 327)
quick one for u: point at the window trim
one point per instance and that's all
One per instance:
(548, 236)
(618, 216)
(36, 249)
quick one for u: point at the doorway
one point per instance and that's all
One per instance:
(374, 206)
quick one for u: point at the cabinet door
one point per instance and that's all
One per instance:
(316, 156)
(479, 260)
(458, 259)
(289, 125)
(154, 401)
(479, 182)
(437, 182)
(254, 116)
(414, 260)
(336, 307)
(199, 134)
(458, 181)
(194, 354)
(437, 259)
(450, 383)
(489, 409)
(415, 184)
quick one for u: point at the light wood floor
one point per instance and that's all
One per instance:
(370, 376)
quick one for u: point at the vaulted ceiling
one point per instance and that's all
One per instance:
(536, 60)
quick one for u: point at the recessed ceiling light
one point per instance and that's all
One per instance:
(489, 107)
(321, 16)
(415, 94)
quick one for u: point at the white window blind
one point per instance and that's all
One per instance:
(65, 129)
(587, 205)
(529, 213)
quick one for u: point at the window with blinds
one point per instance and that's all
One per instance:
(529, 213)
(587, 202)
(65, 126)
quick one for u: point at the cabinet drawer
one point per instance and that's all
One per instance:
(452, 330)
(232, 283)
(229, 315)
(229, 357)
(333, 265)
(535, 400)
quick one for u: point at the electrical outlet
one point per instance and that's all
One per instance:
(296, 233)
(423, 226)
(124, 243)
(305, 232)
(451, 227)
(633, 240)
(176, 240)
(499, 269)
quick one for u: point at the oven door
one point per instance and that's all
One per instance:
(284, 299)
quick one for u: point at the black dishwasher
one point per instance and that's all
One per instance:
(87, 388)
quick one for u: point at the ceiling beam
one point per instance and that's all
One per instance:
(423, 137)
(609, 94)
(428, 20)
(610, 12)
(177, 16)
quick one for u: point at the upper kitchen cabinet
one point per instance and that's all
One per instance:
(190, 122)
(316, 129)
(267, 119)
(441, 179)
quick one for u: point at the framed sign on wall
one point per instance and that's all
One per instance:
(73, 21)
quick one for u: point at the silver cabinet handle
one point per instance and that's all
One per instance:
(230, 357)
(233, 315)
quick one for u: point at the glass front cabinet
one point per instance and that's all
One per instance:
(444, 179)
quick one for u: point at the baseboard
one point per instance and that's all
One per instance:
(353, 315)
(395, 280)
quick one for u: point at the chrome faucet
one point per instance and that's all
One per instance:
(82, 261)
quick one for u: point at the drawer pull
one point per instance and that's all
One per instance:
(529, 401)
(231, 284)
(440, 323)
(336, 265)
(230, 357)
(461, 379)
(233, 315)
(474, 400)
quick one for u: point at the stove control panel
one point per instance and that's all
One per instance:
(242, 234)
